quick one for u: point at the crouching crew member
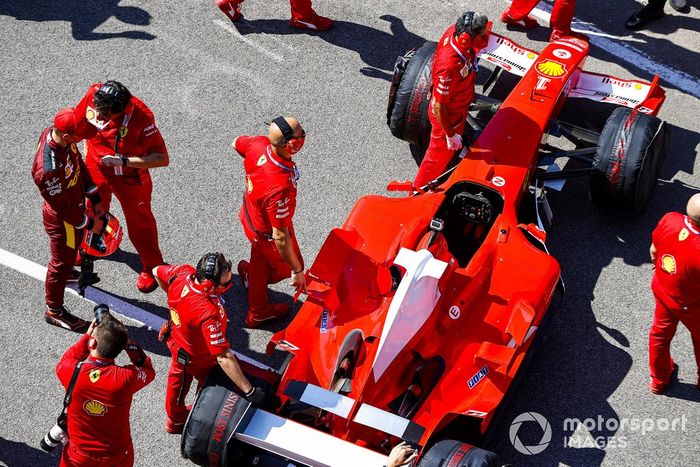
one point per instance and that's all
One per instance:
(196, 332)
(268, 207)
(64, 182)
(122, 145)
(453, 77)
(675, 252)
(98, 412)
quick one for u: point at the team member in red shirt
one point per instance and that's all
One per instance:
(196, 332)
(562, 14)
(266, 213)
(303, 15)
(98, 413)
(675, 252)
(122, 145)
(453, 75)
(64, 182)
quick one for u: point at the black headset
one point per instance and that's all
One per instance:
(210, 279)
(291, 143)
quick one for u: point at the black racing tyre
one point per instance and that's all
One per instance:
(449, 452)
(212, 422)
(628, 160)
(409, 96)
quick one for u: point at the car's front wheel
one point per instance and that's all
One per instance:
(449, 452)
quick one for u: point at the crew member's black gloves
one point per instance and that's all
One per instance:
(255, 396)
(136, 354)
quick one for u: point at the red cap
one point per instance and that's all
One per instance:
(65, 121)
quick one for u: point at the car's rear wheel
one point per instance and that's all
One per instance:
(628, 160)
(449, 452)
(409, 97)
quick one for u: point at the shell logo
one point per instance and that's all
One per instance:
(94, 408)
(90, 114)
(530, 55)
(638, 86)
(668, 264)
(683, 234)
(175, 318)
(551, 68)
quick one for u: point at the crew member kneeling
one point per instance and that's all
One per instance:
(196, 332)
(98, 412)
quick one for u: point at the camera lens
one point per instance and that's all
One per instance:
(101, 312)
(53, 438)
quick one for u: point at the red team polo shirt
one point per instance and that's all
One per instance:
(198, 318)
(677, 273)
(453, 76)
(271, 190)
(136, 127)
(98, 414)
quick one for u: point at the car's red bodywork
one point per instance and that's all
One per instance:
(491, 300)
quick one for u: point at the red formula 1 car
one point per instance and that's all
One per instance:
(422, 309)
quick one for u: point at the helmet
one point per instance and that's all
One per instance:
(106, 242)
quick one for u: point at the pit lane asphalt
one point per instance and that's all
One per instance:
(206, 84)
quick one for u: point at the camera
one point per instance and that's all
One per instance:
(56, 435)
(101, 313)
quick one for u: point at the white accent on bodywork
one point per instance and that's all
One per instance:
(382, 420)
(327, 400)
(304, 444)
(413, 302)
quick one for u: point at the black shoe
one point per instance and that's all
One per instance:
(74, 276)
(640, 19)
(66, 320)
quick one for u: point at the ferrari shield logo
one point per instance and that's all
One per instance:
(262, 160)
(551, 68)
(185, 291)
(94, 375)
(683, 234)
(123, 131)
(668, 264)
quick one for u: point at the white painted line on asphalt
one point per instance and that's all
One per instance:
(95, 296)
(678, 79)
(252, 43)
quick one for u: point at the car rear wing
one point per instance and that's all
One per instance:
(516, 59)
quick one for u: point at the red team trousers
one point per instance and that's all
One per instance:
(562, 13)
(134, 194)
(266, 267)
(663, 329)
(74, 457)
(437, 156)
(64, 240)
(198, 370)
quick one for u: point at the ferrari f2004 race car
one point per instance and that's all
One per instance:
(423, 309)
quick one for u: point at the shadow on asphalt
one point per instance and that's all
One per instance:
(378, 49)
(85, 16)
(17, 454)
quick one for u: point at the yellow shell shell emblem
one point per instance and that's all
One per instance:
(551, 68)
(530, 55)
(638, 87)
(90, 114)
(175, 318)
(123, 131)
(683, 234)
(668, 264)
(94, 375)
(94, 408)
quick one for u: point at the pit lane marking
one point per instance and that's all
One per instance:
(227, 26)
(678, 79)
(95, 296)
